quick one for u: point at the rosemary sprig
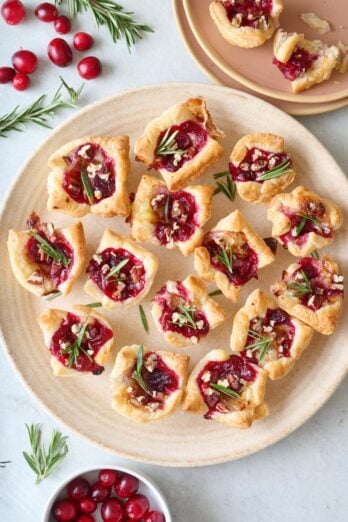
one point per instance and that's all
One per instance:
(86, 185)
(53, 295)
(115, 270)
(215, 292)
(305, 218)
(94, 305)
(276, 172)
(301, 288)
(74, 349)
(53, 252)
(43, 461)
(18, 119)
(226, 258)
(186, 316)
(228, 188)
(137, 374)
(261, 343)
(168, 146)
(144, 319)
(219, 175)
(226, 391)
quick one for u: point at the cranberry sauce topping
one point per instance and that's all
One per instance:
(118, 273)
(250, 13)
(66, 348)
(175, 212)
(179, 314)
(315, 283)
(231, 254)
(300, 61)
(257, 162)
(179, 144)
(90, 174)
(160, 380)
(234, 374)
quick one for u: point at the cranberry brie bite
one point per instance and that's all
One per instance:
(80, 342)
(171, 219)
(260, 167)
(268, 336)
(303, 221)
(89, 175)
(45, 260)
(184, 312)
(246, 23)
(312, 290)
(303, 62)
(181, 143)
(227, 388)
(120, 273)
(231, 254)
(148, 385)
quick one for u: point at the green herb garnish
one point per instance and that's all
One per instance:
(301, 288)
(226, 391)
(186, 316)
(315, 254)
(74, 349)
(87, 189)
(215, 292)
(137, 374)
(54, 252)
(53, 295)
(227, 258)
(115, 270)
(94, 305)
(261, 343)
(228, 188)
(276, 172)
(144, 319)
(168, 146)
(305, 218)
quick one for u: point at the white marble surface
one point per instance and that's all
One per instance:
(302, 478)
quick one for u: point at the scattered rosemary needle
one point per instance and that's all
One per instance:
(277, 171)
(315, 254)
(226, 391)
(215, 292)
(144, 319)
(228, 188)
(43, 461)
(53, 295)
(94, 305)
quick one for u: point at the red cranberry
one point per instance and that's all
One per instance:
(137, 506)
(126, 486)
(46, 12)
(78, 488)
(6, 74)
(13, 12)
(64, 510)
(59, 52)
(89, 67)
(99, 493)
(85, 518)
(83, 41)
(112, 510)
(87, 505)
(21, 81)
(154, 516)
(24, 61)
(62, 24)
(107, 477)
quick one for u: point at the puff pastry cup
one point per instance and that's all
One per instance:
(148, 385)
(121, 272)
(227, 388)
(231, 254)
(303, 221)
(171, 219)
(80, 342)
(260, 168)
(303, 62)
(181, 143)
(89, 175)
(184, 312)
(246, 23)
(268, 336)
(312, 290)
(46, 260)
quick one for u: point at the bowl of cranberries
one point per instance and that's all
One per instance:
(109, 494)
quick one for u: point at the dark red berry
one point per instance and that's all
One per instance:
(24, 61)
(21, 81)
(6, 74)
(136, 507)
(78, 488)
(154, 516)
(64, 510)
(83, 41)
(46, 12)
(13, 12)
(87, 505)
(112, 510)
(85, 518)
(89, 67)
(99, 493)
(59, 52)
(107, 477)
(62, 24)
(126, 486)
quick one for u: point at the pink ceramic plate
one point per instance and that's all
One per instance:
(253, 67)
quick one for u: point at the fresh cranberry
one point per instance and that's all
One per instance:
(154, 516)
(13, 12)
(64, 510)
(89, 67)
(62, 24)
(6, 74)
(21, 81)
(137, 506)
(87, 505)
(24, 61)
(78, 488)
(59, 52)
(85, 518)
(107, 477)
(46, 12)
(126, 486)
(112, 510)
(83, 41)
(99, 493)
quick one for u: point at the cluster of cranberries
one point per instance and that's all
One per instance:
(83, 499)
(59, 52)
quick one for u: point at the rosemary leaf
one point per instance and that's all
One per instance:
(219, 175)
(276, 172)
(94, 305)
(315, 254)
(86, 185)
(301, 288)
(53, 295)
(137, 374)
(226, 391)
(115, 270)
(226, 258)
(52, 251)
(144, 319)
(215, 292)
(228, 188)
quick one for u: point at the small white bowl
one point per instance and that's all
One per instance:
(147, 487)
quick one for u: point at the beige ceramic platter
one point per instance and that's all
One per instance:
(83, 404)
